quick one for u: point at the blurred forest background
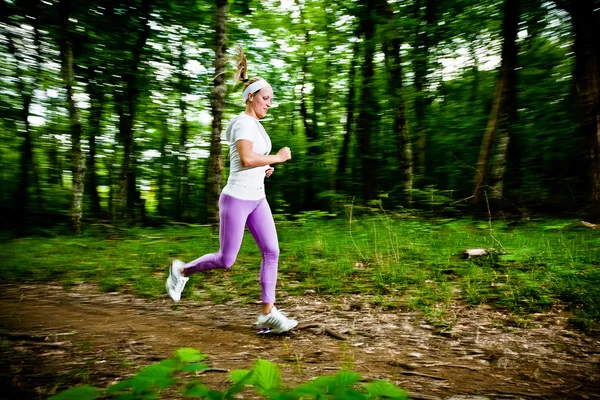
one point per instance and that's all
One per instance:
(114, 109)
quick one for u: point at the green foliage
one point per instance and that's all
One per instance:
(309, 53)
(384, 389)
(433, 200)
(305, 216)
(78, 393)
(146, 383)
(264, 378)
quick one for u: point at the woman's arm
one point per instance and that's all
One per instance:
(248, 158)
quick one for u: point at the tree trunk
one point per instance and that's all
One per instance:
(127, 181)
(310, 131)
(127, 174)
(28, 168)
(183, 189)
(509, 110)
(36, 171)
(341, 175)
(586, 26)
(96, 94)
(214, 169)
(161, 180)
(113, 184)
(391, 49)
(55, 164)
(77, 159)
(425, 16)
(183, 185)
(328, 114)
(497, 136)
(368, 106)
(26, 162)
(401, 125)
(474, 90)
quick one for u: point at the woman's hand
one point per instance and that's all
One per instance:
(269, 171)
(284, 154)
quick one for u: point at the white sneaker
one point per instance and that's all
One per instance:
(274, 322)
(176, 281)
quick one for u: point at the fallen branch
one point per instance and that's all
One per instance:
(443, 364)
(308, 326)
(421, 396)
(145, 357)
(53, 344)
(440, 378)
(468, 253)
(335, 334)
(510, 393)
(32, 336)
(324, 328)
(403, 364)
(588, 224)
(204, 371)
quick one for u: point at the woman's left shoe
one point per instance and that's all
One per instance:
(176, 281)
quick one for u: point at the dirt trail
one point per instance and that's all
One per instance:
(99, 338)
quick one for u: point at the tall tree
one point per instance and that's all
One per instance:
(27, 76)
(318, 72)
(343, 155)
(586, 27)
(76, 129)
(91, 51)
(391, 48)
(310, 127)
(367, 115)
(214, 168)
(127, 100)
(183, 184)
(97, 98)
(503, 113)
(161, 180)
(425, 16)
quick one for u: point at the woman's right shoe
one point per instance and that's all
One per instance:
(274, 322)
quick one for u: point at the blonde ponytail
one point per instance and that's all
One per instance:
(241, 74)
(242, 67)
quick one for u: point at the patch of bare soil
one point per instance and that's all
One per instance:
(53, 338)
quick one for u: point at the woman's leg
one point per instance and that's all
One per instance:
(262, 227)
(233, 214)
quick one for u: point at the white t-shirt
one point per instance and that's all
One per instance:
(246, 183)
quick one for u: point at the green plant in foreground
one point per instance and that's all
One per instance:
(264, 378)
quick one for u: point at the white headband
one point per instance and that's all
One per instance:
(254, 87)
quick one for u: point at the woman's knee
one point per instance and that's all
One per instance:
(271, 254)
(228, 261)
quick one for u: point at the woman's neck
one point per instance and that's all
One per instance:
(250, 112)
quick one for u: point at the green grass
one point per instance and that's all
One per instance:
(393, 262)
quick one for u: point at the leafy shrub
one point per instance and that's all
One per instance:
(264, 378)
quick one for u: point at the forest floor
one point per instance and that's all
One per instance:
(52, 338)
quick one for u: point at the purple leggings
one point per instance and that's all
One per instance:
(234, 215)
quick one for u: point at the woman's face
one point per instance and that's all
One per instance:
(260, 102)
